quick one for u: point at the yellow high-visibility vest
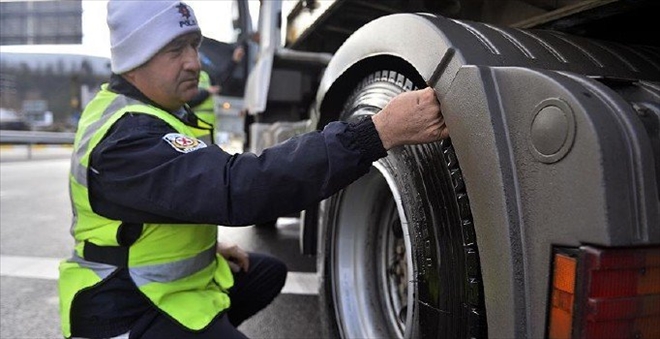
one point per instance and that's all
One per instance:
(205, 110)
(175, 266)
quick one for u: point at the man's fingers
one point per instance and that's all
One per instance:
(444, 133)
(429, 94)
(233, 266)
(246, 264)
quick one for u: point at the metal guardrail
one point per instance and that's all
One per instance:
(35, 137)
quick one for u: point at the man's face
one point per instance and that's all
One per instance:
(170, 78)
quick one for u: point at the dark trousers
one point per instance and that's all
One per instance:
(252, 291)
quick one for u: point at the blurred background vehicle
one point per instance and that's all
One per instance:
(10, 120)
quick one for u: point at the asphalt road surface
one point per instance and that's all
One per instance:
(34, 225)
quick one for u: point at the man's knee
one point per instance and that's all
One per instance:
(281, 271)
(276, 268)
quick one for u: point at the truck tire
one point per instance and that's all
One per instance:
(399, 257)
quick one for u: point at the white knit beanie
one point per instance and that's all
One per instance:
(139, 29)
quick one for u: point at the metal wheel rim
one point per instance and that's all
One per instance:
(367, 301)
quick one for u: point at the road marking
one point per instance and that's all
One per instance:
(29, 267)
(302, 283)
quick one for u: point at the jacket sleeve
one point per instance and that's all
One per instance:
(135, 175)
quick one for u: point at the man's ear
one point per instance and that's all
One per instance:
(132, 76)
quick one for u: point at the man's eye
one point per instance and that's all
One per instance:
(176, 49)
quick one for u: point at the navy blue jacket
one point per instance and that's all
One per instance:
(137, 177)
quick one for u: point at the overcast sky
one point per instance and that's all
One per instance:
(96, 38)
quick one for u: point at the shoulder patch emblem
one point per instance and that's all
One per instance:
(182, 143)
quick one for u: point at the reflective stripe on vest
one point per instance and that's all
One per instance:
(175, 266)
(162, 273)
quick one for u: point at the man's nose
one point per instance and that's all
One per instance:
(191, 60)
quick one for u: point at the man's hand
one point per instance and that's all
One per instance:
(411, 118)
(238, 54)
(215, 89)
(236, 257)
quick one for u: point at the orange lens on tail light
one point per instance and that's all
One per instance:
(563, 295)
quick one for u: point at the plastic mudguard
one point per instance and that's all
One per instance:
(557, 138)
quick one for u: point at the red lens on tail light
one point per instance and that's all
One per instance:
(605, 293)
(620, 293)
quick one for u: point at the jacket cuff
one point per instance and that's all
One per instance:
(367, 140)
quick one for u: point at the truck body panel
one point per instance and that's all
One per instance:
(555, 148)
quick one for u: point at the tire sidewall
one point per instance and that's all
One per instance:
(423, 177)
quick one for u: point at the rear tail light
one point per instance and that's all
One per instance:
(606, 293)
(563, 296)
